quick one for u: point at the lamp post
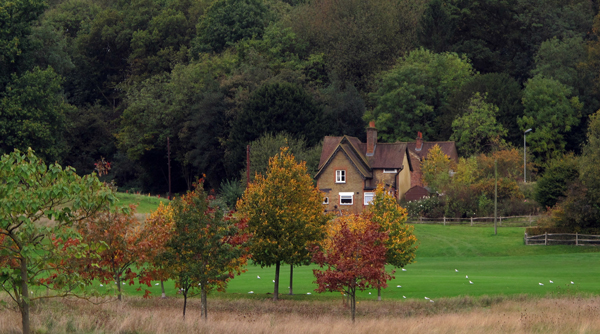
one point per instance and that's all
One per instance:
(525, 155)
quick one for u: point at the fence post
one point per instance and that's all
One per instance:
(471, 221)
(546, 240)
(526, 243)
(500, 221)
(576, 239)
(420, 219)
(444, 220)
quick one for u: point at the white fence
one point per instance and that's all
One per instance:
(562, 239)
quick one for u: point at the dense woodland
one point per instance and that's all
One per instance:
(82, 80)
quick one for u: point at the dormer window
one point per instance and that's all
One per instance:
(340, 176)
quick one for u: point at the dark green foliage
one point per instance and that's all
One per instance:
(33, 114)
(275, 108)
(231, 191)
(554, 183)
(228, 21)
(436, 27)
(343, 107)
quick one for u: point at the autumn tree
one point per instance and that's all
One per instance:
(161, 222)
(130, 244)
(285, 215)
(38, 205)
(206, 248)
(401, 242)
(436, 168)
(355, 260)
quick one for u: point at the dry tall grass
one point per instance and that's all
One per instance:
(453, 315)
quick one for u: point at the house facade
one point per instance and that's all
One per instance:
(350, 170)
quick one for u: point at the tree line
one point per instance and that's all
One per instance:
(62, 234)
(83, 80)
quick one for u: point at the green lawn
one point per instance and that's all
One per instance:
(496, 265)
(145, 203)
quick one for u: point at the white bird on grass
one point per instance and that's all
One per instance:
(427, 298)
(398, 286)
(431, 301)
(403, 269)
(470, 282)
(258, 277)
(101, 285)
(541, 283)
(551, 281)
(572, 282)
(456, 270)
(251, 292)
(308, 293)
(369, 293)
(273, 281)
(157, 284)
(467, 277)
(404, 297)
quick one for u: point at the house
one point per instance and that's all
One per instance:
(350, 170)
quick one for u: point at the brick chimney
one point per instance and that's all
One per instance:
(419, 145)
(371, 138)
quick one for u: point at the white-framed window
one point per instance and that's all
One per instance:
(369, 197)
(326, 200)
(340, 176)
(346, 198)
(390, 170)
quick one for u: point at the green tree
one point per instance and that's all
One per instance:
(555, 181)
(477, 130)
(228, 21)
(275, 108)
(33, 114)
(205, 249)
(285, 215)
(401, 242)
(590, 159)
(551, 112)
(34, 253)
(410, 97)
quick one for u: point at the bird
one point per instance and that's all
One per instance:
(551, 281)
(101, 285)
(404, 297)
(251, 292)
(308, 293)
(273, 281)
(572, 282)
(123, 283)
(427, 298)
(467, 277)
(258, 277)
(369, 293)
(431, 301)
(403, 269)
(541, 283)
(199, 283)
(156, 284)
(398, 286)
(470, 282)
(456, 270)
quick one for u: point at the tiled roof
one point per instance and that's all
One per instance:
(448, 148)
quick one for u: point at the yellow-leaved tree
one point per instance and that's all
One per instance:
(285, 215)
(435, 169)
(401, 242)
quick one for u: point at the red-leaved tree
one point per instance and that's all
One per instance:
(355, 259)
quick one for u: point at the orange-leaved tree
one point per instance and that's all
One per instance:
(401, 242)
(206, 248)
(129, 246)
(161, 222)
(285, 215)
(355, 259)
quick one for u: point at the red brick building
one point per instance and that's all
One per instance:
(349, 170)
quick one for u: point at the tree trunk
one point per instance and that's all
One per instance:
(291, 279)
(379, 293)
(204, 301)
(24, 306)
(184, 303)
(118, 278)
(353, 303)
(276, 289)
(162, 287)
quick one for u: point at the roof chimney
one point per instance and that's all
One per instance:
(419, 145)
(371, 138)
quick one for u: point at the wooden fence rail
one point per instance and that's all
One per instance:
(562, 239)
(520, 221)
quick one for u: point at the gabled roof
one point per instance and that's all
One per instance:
(386, 155)
(447, 147)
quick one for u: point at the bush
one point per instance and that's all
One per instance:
(429, 206)
(553, 184)
(230, 191)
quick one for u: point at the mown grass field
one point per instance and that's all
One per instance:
(496, 264)
(145, 204)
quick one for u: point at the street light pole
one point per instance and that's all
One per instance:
(525, 155)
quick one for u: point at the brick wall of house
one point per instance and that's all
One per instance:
(354, 183)
(404, 179)
(415, 176)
